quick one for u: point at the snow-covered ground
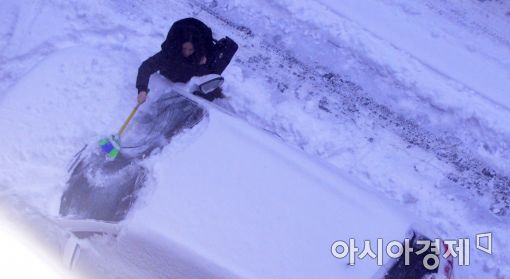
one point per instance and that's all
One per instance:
(409, 98)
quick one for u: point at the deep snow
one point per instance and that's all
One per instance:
(414, 103)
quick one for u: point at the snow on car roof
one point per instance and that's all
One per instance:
(247, 201)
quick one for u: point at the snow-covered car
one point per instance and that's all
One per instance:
(240, 199)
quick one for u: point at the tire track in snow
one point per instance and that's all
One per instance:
(342, 98)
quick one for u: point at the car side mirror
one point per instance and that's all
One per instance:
(210, 85)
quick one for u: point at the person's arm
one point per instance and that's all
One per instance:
(148, 67)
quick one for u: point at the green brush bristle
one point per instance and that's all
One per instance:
(111, 146)
(113, 154)
(103, 141)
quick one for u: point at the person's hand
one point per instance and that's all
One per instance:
(142, 96)
(203, 60)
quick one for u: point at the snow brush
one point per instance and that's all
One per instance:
(111, 145)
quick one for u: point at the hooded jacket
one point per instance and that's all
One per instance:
(170, 62)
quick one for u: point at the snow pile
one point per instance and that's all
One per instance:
(413, 105)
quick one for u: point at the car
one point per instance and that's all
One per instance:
(241, 199)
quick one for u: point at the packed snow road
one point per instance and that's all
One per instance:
(424, 134)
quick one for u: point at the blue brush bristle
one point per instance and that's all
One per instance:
(107, 147)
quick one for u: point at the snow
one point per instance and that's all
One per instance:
(276, 204)
(22, 247)
(429, 44)
(140, 253)
(402, 103)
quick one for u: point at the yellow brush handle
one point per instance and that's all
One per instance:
(127, 120)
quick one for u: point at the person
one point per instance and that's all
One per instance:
(188, 50)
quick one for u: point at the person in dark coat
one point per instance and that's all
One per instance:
(188, 50)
